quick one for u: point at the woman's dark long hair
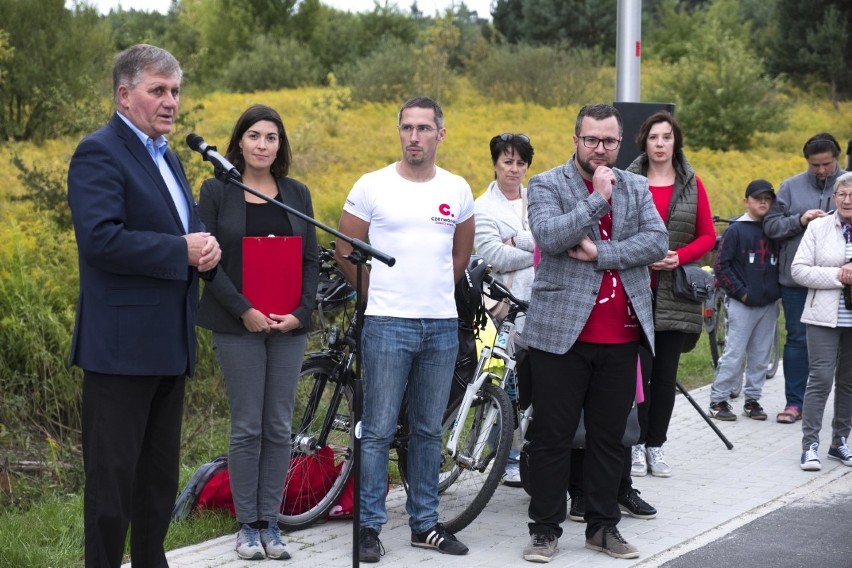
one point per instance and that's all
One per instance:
(252, 115)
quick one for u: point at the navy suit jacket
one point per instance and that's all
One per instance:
(138, 295)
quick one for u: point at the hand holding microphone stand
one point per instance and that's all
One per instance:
(228, 173)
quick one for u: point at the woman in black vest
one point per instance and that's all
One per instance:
(682, 202)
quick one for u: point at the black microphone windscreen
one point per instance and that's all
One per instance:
(194, 141)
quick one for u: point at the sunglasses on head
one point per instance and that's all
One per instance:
(507, 136)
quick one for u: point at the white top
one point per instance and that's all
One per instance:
(415, 223)
(498, 219)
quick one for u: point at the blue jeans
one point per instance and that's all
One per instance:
(795, 346)
(398, 353)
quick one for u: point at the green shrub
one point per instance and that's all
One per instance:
(544, 75)
(386, 75)
(269, 63)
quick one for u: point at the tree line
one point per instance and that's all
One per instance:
(729, 65)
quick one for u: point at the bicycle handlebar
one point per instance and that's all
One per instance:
(497, 291)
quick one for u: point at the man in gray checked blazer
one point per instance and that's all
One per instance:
(598, 230)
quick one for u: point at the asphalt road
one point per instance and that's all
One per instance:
(814, 531)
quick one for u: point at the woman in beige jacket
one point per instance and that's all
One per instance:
(823, 264)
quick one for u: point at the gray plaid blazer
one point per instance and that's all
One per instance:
(561, 213)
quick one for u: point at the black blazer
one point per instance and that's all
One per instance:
(138, 295)
(223, 209)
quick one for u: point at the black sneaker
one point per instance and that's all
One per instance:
(635, 506)
(438, 538)
(722, 411)
(577, 512)
(370, 548)
(753, 410)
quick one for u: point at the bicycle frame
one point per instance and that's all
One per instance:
(472, 461)
(503, 350)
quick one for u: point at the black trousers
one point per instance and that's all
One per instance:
(131, 458)
(655, 413)
(599, 379)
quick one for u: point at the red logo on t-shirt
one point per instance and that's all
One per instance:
(444, 209)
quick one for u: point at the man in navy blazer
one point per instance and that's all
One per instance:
(141, 249)
(590, 308)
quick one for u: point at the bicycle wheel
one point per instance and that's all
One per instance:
(321, 458)
(468, 480)
(720, 328)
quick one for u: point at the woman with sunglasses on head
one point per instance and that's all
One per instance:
(823, 265)
(503, 237)
(683, 205)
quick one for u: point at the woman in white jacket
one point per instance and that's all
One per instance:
(503, 236)
(823, 264)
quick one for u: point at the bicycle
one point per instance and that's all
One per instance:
(473, 458)
(716, 318)
(475, 454)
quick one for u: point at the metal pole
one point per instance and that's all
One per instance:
(628, 59)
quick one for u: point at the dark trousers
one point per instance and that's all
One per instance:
(599, 379)
(575, 482)
(655, 413)
(131, 453)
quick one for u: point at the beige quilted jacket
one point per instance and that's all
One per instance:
(816, 266)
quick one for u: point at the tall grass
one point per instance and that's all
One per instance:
(37, 299)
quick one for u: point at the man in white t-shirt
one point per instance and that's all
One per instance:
(422, 216)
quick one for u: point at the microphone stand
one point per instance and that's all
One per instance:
(358, 257)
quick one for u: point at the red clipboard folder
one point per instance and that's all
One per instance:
(272, 273)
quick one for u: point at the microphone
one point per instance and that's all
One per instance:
(197, 143)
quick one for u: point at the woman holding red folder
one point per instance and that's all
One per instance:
(260, 353)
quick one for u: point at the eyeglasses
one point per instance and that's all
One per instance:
(420, 128)
(506, 136)
(841, 196)
(593, 141)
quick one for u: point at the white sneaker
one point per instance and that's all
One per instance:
(639, 465)
(248, 544)
(270, 539)
(657, 462)
(512, 475)
(810, 459)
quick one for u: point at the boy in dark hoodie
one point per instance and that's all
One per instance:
(747, 268)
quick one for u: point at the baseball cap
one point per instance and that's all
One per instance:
(759, 186)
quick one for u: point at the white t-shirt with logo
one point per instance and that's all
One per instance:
(414, 222)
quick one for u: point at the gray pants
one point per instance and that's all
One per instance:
(261, 374)
(750, 333)
(829, 350)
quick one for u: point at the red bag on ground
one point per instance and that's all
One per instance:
(216, 494)
(345, 507)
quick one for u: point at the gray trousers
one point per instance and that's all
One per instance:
(829, 350)
(750, 333)
(261, 373)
